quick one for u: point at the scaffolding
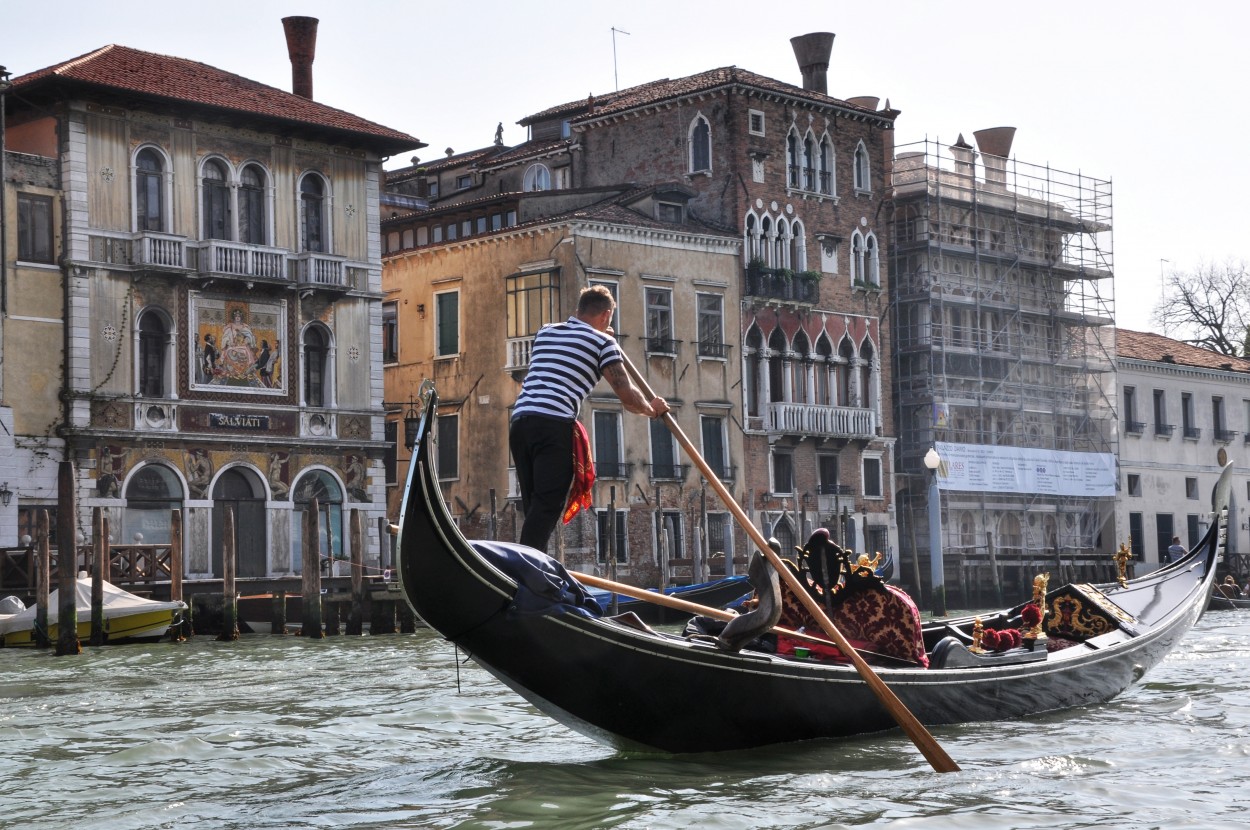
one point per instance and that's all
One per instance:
(1001, 274)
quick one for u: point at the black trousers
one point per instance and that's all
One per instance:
(542, 449)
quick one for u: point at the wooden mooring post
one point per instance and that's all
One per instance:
(277, 625)
(99, 556)
(177, 633)
(43, 566)
(311, 576)
(229, 600)
(66, 562)
(355, 619)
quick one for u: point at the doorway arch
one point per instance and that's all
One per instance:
(241, 490)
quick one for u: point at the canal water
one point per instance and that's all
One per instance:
(393, 732)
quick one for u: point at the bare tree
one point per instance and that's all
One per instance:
(1208, 307)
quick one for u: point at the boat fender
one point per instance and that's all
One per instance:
(742, 630)
(11, 605)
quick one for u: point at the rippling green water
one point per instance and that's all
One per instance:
(274, 732)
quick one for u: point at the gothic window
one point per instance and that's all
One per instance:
(313, 236)
(149, 191)
(216, 204)
(316, 366)
(253, 227)
(700, 145)
(153, 355)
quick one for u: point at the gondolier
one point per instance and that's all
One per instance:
(566, 362)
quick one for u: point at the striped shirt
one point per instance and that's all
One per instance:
(565, 364)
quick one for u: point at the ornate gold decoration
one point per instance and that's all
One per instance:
(978, 631)
(1122, 557)
(1040, 582)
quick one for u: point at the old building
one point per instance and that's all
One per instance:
(1001, 273)
(1180, 406)
(737, 218)
(193, 313)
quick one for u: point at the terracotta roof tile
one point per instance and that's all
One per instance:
(178, 79)
(1139, 345)
(656, 91)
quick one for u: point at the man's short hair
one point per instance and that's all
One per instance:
(595, 300)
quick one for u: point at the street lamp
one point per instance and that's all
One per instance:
(412, 423)
(936, 570)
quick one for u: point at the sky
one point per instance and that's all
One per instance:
(1148, 95)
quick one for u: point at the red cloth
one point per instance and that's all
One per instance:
(583, 473)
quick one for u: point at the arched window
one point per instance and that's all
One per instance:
(857, 258)
(809, 162)
(867, 389)
(824, 368)
(149, 191)
(253, 225)
(777, 366)
(863, 178)
(799, 367)
(216, 200)
(700, 145)
(767, 237)
(753, 352)
(967, 530)
(798, 246)
(316, 366)
(322, 486)
(537, 177)
(312, 208)
(872, 261)
(827, 180)
(152, 494)
(846, 353)
(153, 355)
(1009, 532)
(792, 159)
(752, 239)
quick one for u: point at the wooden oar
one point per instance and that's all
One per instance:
(909, 723)
(705, 610)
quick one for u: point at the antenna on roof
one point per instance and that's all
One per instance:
(616, 79)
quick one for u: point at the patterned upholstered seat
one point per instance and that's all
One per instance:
(871, 614)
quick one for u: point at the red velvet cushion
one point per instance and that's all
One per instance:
(889, 621)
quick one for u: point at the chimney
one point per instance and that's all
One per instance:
(995, 144)
(965, 159)
(301, 45)
(812, 51)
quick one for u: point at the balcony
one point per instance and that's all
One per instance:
(778, 284)
(1225, 436)
(662, 346)
(821, 421)
(220, 258)
(668, 472)
(613, 469)
(520, 349)
(159, 250)
(1193, 432)
(1165, 430)
(319, 271)
(717, 350)
(1134, 427)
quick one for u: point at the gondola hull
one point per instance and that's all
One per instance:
(638, 690)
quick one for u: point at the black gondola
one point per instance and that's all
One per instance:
(642, 690)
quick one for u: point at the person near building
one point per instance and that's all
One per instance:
(566, 362)
(1175, 551)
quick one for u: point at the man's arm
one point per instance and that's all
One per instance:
(631, 395)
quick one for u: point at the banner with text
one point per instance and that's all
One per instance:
(989, 469)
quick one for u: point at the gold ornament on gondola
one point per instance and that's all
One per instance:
(978, 632)
(1040, 582)
(1122, 557)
